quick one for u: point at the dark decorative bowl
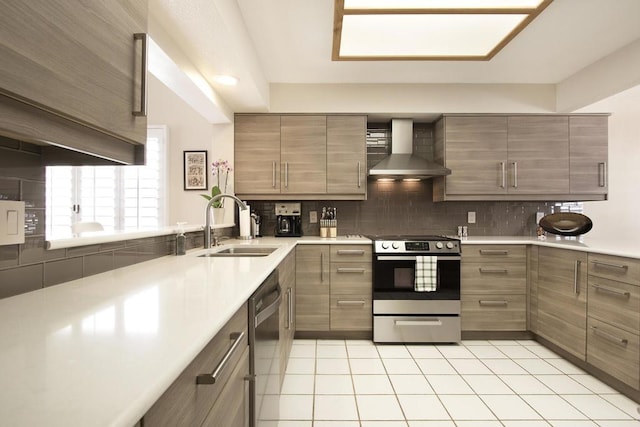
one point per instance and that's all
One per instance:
(566, 223)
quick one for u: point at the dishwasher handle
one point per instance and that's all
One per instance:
(268, 311)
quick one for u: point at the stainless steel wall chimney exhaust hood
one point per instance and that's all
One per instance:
(402, 163)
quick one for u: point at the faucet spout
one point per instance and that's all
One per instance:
(207, 215)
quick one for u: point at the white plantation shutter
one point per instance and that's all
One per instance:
(119, 197)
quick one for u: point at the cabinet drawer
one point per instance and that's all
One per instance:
(502, 253)
(494, 313)
(351, 253)
(351, 312)
(494, 277)
(617, 268)
(614, 351)
(616, 303)
(187, 403)
(351, 278)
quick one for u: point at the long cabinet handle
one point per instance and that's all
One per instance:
(609, 337)
(350, 252)
(602, 174)
(289, 309)
(606, 264)
(351, 270)
(493, 252)
(493, 270)
(576, 270)
(359, 178)
(286, 174)
(273, 174)
(351, 302)
(611, 291)
(322, 266)
(142, 112)
(515, 174)
(493, 303)
(433, 322)
(504, 175)
(213, 377)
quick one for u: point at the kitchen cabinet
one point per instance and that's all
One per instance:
(312, 287)
(300, 157)
(532, 285)
(613, 329)
(333, 288)
(71, 65)
(521, 157)
(351, 288)
(287, 277)
(493, 288)
(562, 299)
(186, 402)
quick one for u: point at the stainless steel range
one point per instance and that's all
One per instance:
(416, 289)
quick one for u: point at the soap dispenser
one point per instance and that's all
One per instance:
(180, 240)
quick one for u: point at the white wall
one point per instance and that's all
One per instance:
(187, 130)
(617, 219)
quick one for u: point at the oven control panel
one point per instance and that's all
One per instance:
(417, 247)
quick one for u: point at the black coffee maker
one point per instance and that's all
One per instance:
(288, 220)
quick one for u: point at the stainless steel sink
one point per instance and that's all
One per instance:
(241, 251)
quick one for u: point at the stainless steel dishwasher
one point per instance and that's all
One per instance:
(264, 351)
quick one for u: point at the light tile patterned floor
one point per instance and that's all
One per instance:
(336, 383)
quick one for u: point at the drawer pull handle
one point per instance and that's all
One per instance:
(351, 270)
(351, 302)
(493, 270)
(610, 337)
(350, 252)
(606, 264)
(213, 377)
(493, 303)
(435, 322)
(622, 294)
(493, 252)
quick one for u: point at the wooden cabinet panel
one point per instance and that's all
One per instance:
(346, 155)
(187, 403)
(614, 302)
(615, 268)
(562, 298)
(286, 275)
(538, 154)
(351, 253)
(477, 154)
(532, 281)
(313, 279)
(351, 294)
(495, 312)
(77, 60)
(257, 154)
(494, 253)
(303, 153)
(351, 313)
(614, 351)
(493, 278)
(588, 143)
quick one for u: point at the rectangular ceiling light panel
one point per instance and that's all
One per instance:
(428, 29)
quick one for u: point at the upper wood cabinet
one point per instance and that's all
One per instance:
(300, 157)
(522, 157)
(77, 63)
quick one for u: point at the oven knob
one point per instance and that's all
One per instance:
(385, 245)
(439, 245)
(395, 245)
(449, 245)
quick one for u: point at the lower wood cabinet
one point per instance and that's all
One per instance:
(562, 298)
(225, 402)
(614, 351)
(287, 277)
(312, 287)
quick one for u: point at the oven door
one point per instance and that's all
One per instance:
(394, 278)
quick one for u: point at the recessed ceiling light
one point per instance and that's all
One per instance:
(428, 29)
(226, 80)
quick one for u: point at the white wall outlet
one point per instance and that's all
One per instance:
(471, 217)
(539, 216)
(313, 217)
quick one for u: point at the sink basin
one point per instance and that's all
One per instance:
(241, 251)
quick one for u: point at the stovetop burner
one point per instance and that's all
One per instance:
(416, 245)
(419, 238)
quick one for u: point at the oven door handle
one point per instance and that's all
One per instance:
(433, 322)
(413, 258)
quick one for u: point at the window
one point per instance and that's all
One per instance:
(121, 198)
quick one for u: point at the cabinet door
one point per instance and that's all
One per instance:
(476, 152)
(231, 408)
(562, 298)
(303, 154)
(77, 60)
(286, 274)
(312, 287)
(346, 154)
(351, 296)
(538, 154)
(588, 144)
(257, 154)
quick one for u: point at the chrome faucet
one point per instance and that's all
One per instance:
(207, 214)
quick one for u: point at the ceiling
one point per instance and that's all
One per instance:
(289, 41)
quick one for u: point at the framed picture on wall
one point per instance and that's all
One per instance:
(195, 170)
